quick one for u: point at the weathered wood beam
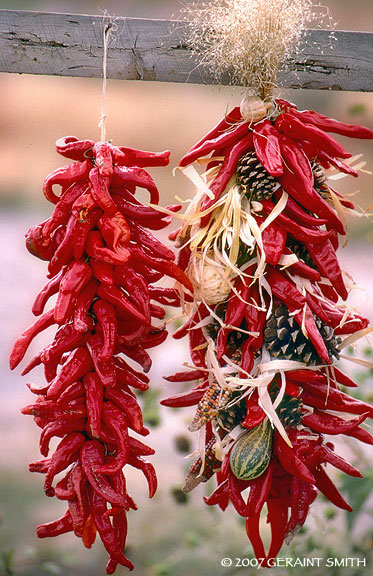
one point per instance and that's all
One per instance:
(71, 45)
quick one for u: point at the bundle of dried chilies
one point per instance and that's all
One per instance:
(104, 263)
(259, 243)
(270, 316)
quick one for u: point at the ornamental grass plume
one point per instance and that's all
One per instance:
(249, 39)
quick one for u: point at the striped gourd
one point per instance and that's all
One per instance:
(252, 452)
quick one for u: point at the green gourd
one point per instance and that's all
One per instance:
(251, 453)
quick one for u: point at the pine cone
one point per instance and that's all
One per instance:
(320, 184)
(253, 178)
(301, 252)
(290, 411)
(232, 416)
(284, 338)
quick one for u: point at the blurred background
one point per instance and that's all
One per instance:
(168, 535)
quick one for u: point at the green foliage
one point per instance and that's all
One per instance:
(357, 491)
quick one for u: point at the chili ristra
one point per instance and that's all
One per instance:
(103, 263)
(260, 247)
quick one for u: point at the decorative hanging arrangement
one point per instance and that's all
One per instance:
(104, 263)
(269, 318)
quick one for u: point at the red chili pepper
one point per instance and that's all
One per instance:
(78, 275)
(326, 260)
(94, 399)
(117, 297)
(66, 339)
(133, 157)
(72, 392)
(102, 271)
(104, 368)
(361, 434)
(148, 470)
(234, 492)
(66, 452)
(107, 320)
(58, 428)
(254, 413)
(106, 530)
(226, 171)
(72, 148)
(129, 405)
(233, 117)
(56, 528)
(115, 231)
(103, 158)
(99, 188)
(296, 230)
(187, 376)
(63, 207)
(267, 147)
(49, 290)
(227, 138)
(136, 176)
(65, 176)
(84, 223)
(78, 364)
(89, 534)
(274, 240)
(161, 265)
(278, 518)
(23, 342)
(296, 213)
(300, 503)
(190, 398)
(145, 238)
(259, 490)
(290, 461)
(290, 125)
(253, 532)
(328, 424)
(301, 269)
(326, 486)
(82, 305)
(139, 355)
(96, 248)
(40, 247)
(65, 251)
(92, 456)
(331, 125)
(234, 315)
(116, 421)
(136, 286)
(298, 181)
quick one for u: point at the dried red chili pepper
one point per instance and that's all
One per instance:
(102, 264)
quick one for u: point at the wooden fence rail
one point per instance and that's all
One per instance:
(71, 45)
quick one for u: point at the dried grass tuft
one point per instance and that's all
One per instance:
(249, 39)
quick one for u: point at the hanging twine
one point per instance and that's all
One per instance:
(108, 29)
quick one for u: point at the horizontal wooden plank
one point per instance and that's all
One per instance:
(71, 45)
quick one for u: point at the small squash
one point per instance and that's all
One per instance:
(251, 453)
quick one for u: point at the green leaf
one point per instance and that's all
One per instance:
(357, 490)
